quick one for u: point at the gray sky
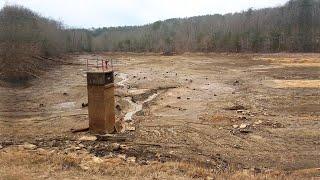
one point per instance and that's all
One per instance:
(105, 13)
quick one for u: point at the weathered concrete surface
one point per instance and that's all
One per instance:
(101, 102)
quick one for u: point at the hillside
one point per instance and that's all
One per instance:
(24, 37)
(294, 27)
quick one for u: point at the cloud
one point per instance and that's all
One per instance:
(102, 13)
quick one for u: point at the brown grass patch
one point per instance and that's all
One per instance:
(295, 83)
(301, 64)
(298, 61)
(21, 164)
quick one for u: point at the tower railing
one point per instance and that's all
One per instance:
(99, 65)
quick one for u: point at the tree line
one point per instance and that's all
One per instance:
(25, 35)
(294, 27)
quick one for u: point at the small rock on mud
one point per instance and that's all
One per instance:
(130, 128)
(97, 160)
(243, 126)
(131, 159)
(115, 147)
(88, 138)
(258, 122)
(29, 146)
(84, 167)
(122, 156)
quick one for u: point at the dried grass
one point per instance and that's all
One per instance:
(295, 83)
(21, 164)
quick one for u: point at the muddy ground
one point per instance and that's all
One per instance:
(202, 116)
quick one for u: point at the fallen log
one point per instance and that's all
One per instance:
(79, 130)
(112, 137)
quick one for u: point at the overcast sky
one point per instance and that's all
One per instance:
(106, 13)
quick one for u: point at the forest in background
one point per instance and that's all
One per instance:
(294, 27)
(27, 39)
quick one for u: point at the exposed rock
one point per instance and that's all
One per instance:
(97, 160)
(89, 148)
(122, 156)
(240, 111)
(237, 146)
(277, 125)
(258, 122)
(171, 153)
(131, 159)
(41, 151)
(242, 126)
(88, 138)
(1, 147)
(81, 145)
(29, 146)
(209, 178)
(130, 128)
(144, 162)
(84, 167)
(235, 126)
(115, 146)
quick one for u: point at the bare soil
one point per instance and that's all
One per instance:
(234, 116)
